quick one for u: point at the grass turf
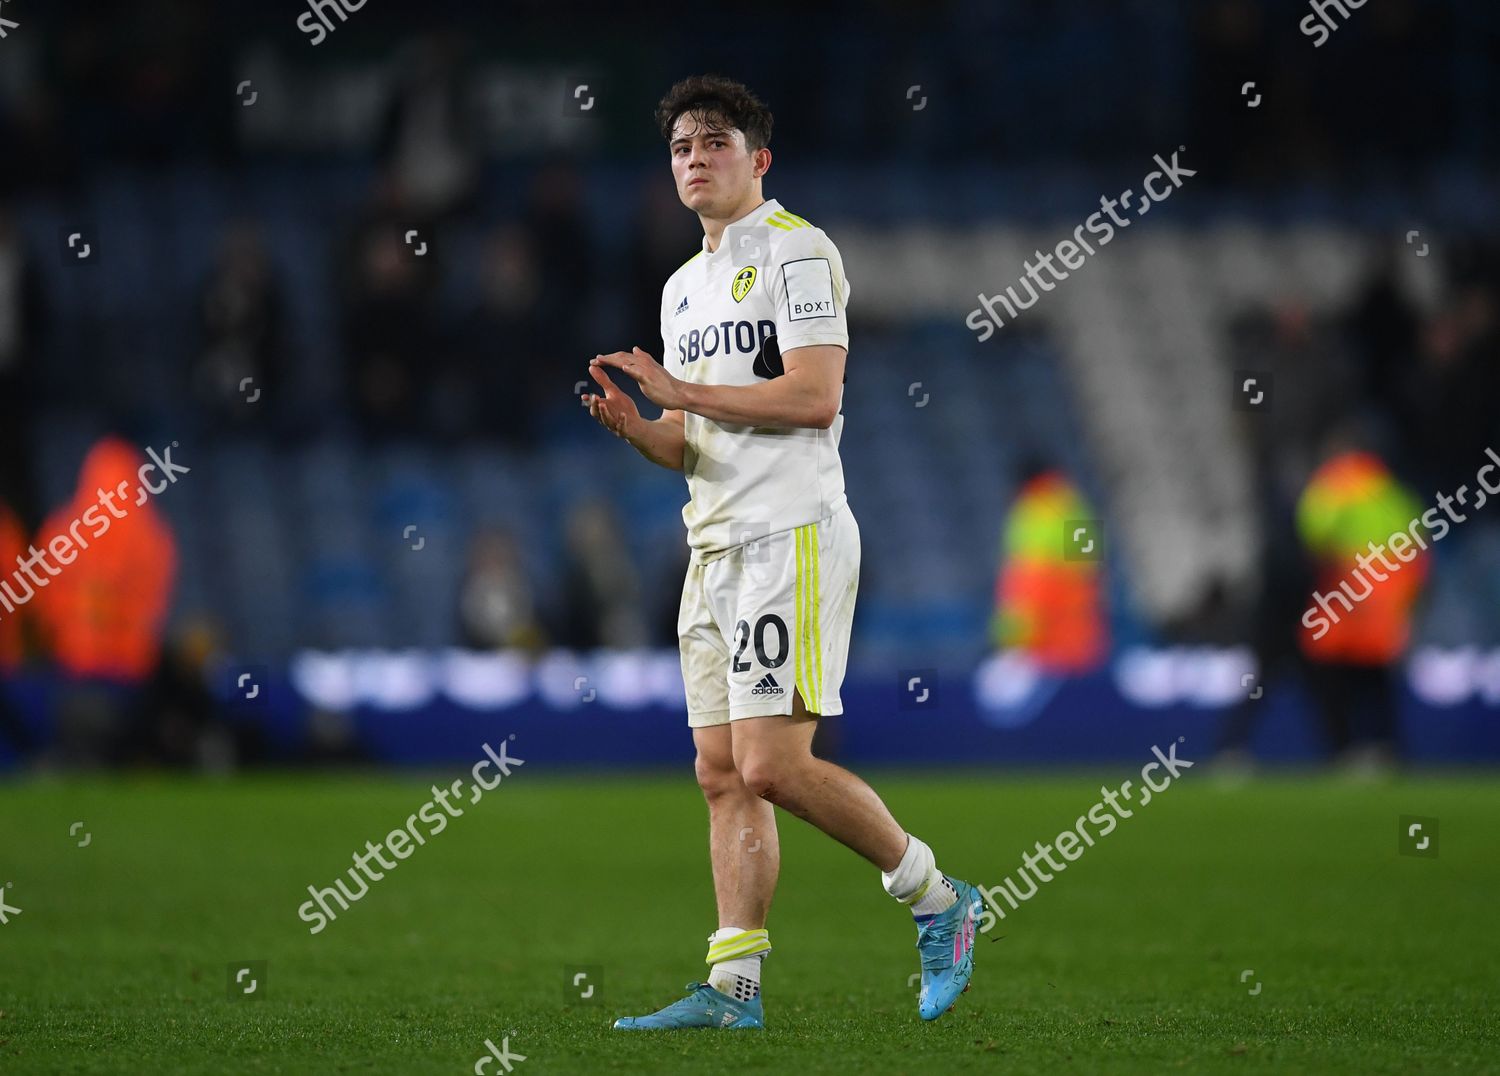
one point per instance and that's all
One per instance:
(1130, 961)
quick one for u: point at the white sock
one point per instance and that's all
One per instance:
(936, 899)
(738, 977)
(917, 882)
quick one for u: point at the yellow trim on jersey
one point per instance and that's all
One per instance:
(809, 632)
(786, 221)
(802, 676)
(685, 264)
(817, 626)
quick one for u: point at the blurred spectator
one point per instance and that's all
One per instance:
(1047, 605)
(602, 589)
(175, 719)
(240, 316)
(1316, 386)
(21, 316)
(387, 318)
(1458, 380)
(12, 550)
(492, 388)
(496, 607)
(560, 237)
(1280, 593)
(102, 614)
(1359, 620)
(428, 141)
(1383, 327)
(1230, 47)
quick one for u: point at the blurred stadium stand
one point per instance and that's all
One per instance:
(1138, 338)
(299, 526)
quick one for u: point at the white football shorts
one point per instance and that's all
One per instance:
(769, 617)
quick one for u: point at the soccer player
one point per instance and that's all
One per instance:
(755, 336)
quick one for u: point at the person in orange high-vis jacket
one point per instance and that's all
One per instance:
(1048, 606)
(103, 615)
(1358, 620)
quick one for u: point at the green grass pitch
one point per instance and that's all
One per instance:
(1135, 959)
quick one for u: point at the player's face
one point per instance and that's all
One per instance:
(713, 169)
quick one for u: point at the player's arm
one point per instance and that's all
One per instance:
(807, 395)
(660, 440)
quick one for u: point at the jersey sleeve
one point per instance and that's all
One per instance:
(810, 291)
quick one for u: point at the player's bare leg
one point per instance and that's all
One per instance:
(774, 759)
(742, 838)
(746, 858)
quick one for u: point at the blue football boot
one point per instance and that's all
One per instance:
(703, 1007)
(946, 945)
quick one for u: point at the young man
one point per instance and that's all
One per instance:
(755, 339)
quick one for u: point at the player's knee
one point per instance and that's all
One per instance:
(717, 777)
(766, 775)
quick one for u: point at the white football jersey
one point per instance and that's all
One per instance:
(727, 316)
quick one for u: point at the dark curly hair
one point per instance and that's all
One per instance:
(720, 104)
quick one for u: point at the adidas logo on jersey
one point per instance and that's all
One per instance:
(681, 306)
(768, 686)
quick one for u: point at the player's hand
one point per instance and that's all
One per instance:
(660, 387)
(615, 410)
